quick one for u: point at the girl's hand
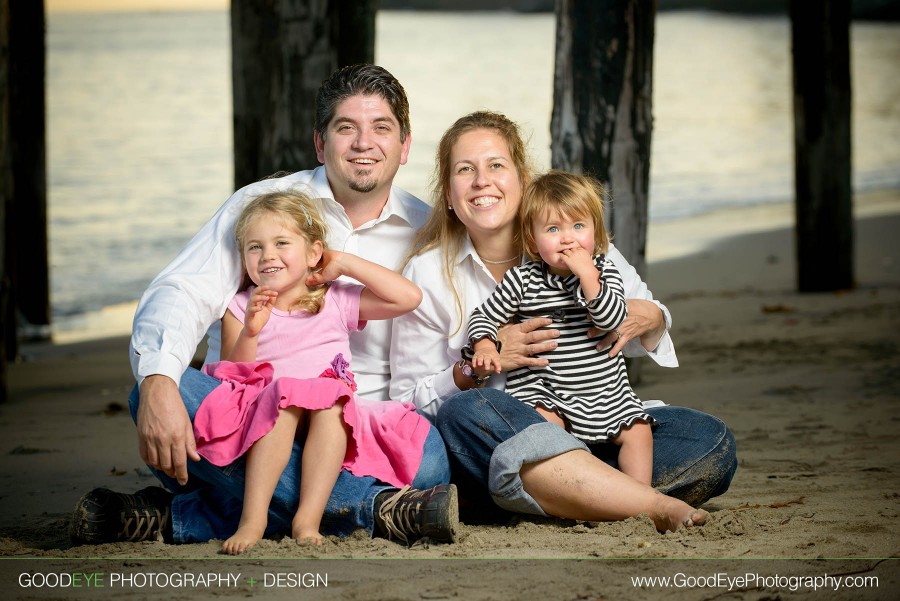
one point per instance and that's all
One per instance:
(581, 263)
(486, 356)
(387, 294)
(330, 268)
(259, 309)
(487, 360)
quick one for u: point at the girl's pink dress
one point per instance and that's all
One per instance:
(307, 366)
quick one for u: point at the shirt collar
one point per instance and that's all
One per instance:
(467, 251)
(569, 282)
(319, 183)
(396, 205)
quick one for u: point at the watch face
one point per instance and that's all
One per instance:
(467, 370)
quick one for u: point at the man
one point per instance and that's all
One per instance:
(362, 136)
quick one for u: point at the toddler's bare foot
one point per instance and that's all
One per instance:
(673, 515)
(306, 535)
(245, 538)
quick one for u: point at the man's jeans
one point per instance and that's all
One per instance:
(209, 505)
(693, 453)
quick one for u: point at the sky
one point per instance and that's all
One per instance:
(133, 5)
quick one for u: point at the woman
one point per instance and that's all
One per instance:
(525, 460)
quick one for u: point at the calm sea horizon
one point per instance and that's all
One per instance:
(140, 139)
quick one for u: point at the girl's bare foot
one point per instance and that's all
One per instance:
(673, 515)
(245, 538)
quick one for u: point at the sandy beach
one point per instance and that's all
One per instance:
(809, 384)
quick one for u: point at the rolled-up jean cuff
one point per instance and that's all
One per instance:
(534, 443)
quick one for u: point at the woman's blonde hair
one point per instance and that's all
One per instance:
(444, 229)
(574, 196)
(297, 212)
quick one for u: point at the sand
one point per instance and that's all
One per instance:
(810, 385)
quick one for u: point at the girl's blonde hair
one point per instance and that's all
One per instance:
(574, 196)
(297, 212)
(444, 230)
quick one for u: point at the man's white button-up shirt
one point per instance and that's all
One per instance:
(189, 297)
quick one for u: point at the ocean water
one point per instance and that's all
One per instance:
(139, 121)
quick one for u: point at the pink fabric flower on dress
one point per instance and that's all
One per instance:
(340, 370)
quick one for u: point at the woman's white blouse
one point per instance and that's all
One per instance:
(426, 343)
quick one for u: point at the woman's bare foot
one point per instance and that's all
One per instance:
(673, 515)
(245, 538)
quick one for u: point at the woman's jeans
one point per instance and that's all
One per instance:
(487, 431)
(209, 505)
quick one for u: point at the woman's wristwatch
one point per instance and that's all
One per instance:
(469, 371)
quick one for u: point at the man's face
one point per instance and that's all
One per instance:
(362, 150)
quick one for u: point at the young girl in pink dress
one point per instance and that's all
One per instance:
(285, 351)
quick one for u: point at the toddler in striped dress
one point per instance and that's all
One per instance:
(569, 280)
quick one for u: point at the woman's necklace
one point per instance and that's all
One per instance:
(504, 261)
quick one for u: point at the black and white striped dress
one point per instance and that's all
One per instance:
(586, 387)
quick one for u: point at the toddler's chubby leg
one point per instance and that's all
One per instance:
(551, 416)
(323, 456)
(266, 460)
(636, 451)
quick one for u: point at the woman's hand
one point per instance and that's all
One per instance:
(521, 341)
(645, 321)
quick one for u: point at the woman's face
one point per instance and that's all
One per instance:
(484, 190)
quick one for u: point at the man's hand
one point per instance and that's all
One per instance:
(519, 342)
(165, 434)
(645, 321)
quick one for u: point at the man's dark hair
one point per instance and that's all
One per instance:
(356, 80)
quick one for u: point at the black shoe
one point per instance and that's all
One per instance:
(410, 514)
(104, 516)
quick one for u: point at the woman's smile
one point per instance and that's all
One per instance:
(485, 188)
(485, 201)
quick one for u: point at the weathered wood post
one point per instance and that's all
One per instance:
(354, 31)
(281, 52)
(7, 316)
(31, 277)
(25, 283)
(820, 35)
(602, 107)
(602, 110)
